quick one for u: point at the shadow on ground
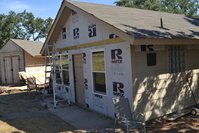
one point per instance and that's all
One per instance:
(21, 104)
(21, 113)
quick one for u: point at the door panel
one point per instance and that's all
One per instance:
(15, 67)
(79, 79)
(10, 74)
(7, 71)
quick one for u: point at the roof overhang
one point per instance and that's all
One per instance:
(164, 41)
(62, 17)
(59, 22)
(102, 23)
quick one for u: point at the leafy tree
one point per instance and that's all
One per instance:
(8, 26)
(126, 3)
(23, 26)
(142, 4)
(187, 7)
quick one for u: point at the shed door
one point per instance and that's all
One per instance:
(7, 76)
(15, 69)
(11, 70)
(79, 79)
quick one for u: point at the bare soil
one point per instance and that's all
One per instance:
(20, 101)
(185, 124)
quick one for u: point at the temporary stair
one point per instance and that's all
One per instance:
(53, 74)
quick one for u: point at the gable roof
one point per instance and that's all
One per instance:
(141, 23)
(31, 47)
(128, 23)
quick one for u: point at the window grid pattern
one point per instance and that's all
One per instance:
(65, 70)
(57, 62)
(99, 76)
(62, 61)
(176, 59)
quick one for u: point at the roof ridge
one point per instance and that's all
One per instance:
(71, 1)
(24, 40)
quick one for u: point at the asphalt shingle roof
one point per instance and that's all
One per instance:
(32, 47)
(141, 23)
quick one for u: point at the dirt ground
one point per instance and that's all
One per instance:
(20, 101)
(184, 124)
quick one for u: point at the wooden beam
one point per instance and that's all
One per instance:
(93, 44)
(12, 52)
(158, 41)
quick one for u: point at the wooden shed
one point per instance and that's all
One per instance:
(19, 55)
(109, 51)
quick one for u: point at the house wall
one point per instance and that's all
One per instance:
(34, 64)
(157, 92)
(151, 89)
(12, 61)
(79, 30)
(10, 46)
(116, 74)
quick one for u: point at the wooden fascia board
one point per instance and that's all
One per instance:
(12, 52)
(92, 44)
(103, 24)
(158, 41)
(57, 26)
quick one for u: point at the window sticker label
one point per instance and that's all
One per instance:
(116, 56)
(76, 33)
(92, 30)
(118, 89)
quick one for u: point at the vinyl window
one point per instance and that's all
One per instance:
(57, 69)
(98, 72)
(62, 62)
(65, 70)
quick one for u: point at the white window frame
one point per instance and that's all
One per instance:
(61, 69)
(93, 89)
(58, 68)
(65, 70)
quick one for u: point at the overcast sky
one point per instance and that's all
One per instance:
(40, 8)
